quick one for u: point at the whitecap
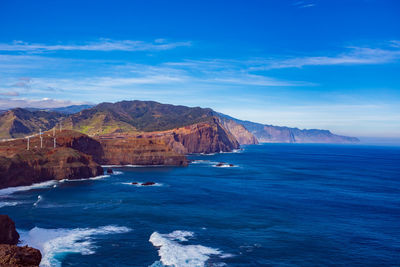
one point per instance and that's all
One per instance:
(225, 165)
(139, 184)
(172, 253)
(39, 198)
(11, 190)
(86, 179)
(8, 203)
(54, 244)
(117, 173)
(132, 166)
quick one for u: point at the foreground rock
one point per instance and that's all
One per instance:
(14, 256)
(10, 254)
(8, 234)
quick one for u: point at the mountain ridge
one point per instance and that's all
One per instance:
(267, 133)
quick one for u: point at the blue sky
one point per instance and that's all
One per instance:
(330, 64)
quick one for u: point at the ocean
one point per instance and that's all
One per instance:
(278, 205)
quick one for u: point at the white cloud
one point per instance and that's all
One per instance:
(101, 45)
(355, 56)
(303, 4)
(6, 103)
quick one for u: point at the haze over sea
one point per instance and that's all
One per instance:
(280, 205)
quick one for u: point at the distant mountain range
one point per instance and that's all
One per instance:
(149, 116)
(280, 134)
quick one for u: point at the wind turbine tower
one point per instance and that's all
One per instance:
(41, 138)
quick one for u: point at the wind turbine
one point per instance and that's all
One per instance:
(41, 138)
(27, 144)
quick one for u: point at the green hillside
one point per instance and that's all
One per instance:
(134, 116)
(20, 122)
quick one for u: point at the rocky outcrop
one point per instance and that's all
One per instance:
(80, 142)
(28, 167)
(206, 137)
(14, 256)
(8, 234)
(242, 135)
(10, 254)
(19, 166)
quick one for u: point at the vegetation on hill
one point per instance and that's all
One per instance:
(20, 122)
(136, 116)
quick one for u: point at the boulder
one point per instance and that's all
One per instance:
(148, 183)
(14, 256)
(8, 234)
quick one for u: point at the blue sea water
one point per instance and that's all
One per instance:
(280, 205)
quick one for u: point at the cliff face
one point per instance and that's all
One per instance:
(139, 151)
(207, 137)
(122, 150)
(204, 137)
(82, 143)
(34, 166)
(276, 134)
(242, 135)
(12, 255)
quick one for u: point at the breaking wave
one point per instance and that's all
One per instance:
(8, 203)
(12, 190)
(173, 253)
(54, 244)
(140, 184)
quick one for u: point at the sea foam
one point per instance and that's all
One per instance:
(54, 244)
(139, 184)
(11, 190)
(8, 203)
(172, 253)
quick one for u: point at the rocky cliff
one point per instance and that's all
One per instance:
(19, 166)
(139, 151)
(122, 149)
(206, 137)
(10, 254)
(242, 135)
(34, 166)
(277, 134)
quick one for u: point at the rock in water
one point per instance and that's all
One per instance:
(148, 183)
(8, 234)
(14, 256)
(109, 171)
